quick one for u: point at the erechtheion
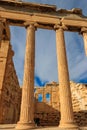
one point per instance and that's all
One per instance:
(33, 16)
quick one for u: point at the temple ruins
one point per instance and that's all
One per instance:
(33, 16)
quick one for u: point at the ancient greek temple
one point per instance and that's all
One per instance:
(33, 16)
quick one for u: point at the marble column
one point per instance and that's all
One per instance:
(27, 104)
(67, 120)
(84, 33)
(1, 31)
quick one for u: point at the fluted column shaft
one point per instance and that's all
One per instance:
(84, 33)
(27, 103)
(0, 31)
(64, 85)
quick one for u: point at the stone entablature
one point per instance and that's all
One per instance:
(43, 15)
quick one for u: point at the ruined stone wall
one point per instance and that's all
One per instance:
(10, 94)
(49, 111)
(79, 101)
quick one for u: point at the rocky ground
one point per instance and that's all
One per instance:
(12, 127)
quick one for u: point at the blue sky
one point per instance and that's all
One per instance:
(45, 50)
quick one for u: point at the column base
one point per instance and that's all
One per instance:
(24, 126)
(68, 126)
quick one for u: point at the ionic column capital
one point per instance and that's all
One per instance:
(3, 20)
(31, 25)
(58, 27)
(4, 30)
(83, 30)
